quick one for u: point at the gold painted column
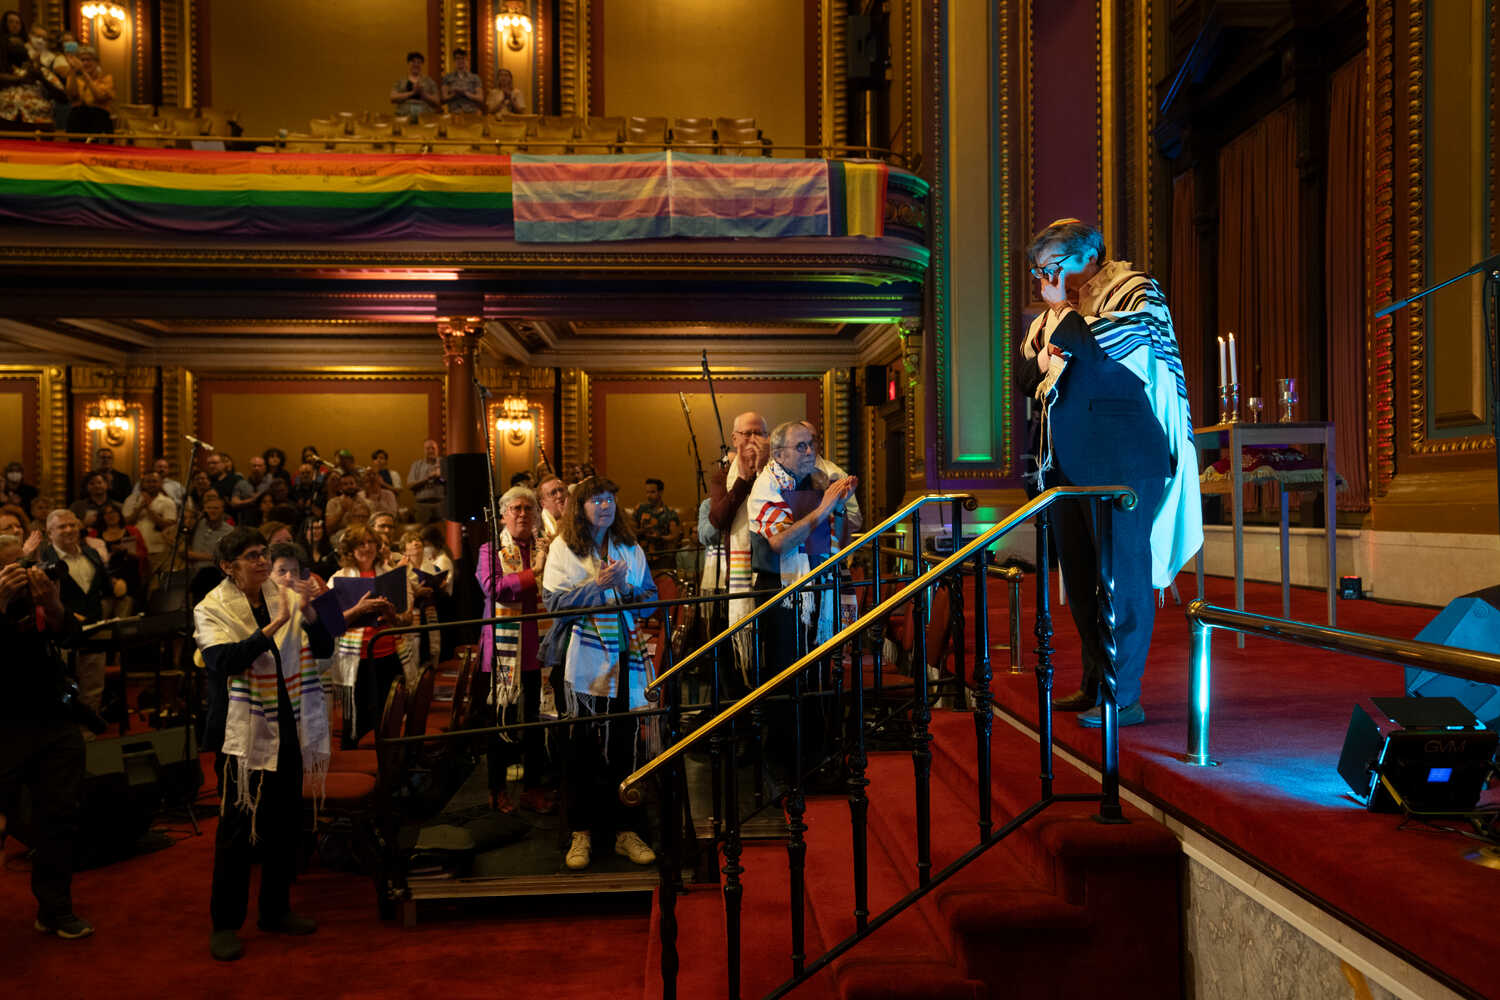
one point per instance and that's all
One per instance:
(460, 343)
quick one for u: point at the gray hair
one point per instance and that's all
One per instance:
(515, 493)
(59, 514)
(1069, 236)
(778, 436)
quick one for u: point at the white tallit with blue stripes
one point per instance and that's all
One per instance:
(1128, 316)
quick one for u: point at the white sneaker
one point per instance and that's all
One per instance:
(629, 845)
(579, 851)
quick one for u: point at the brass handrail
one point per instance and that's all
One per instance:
(1203, 618)
(1125, 496)
(118, 138)
(967, 499)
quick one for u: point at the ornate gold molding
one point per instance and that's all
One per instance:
(178, 415)
(572, 23)
(837, 446)
(90, 378)
(911, 364)
(54, 431)
(210, 258)
(1416, 246)
(530, 377)
(577, 402)
(1380, 237)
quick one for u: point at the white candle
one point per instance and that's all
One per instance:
(1234, 364)
(1221, 362)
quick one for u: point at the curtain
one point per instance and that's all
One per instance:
(1260, 267)
(1185, 297)
(1343, 273)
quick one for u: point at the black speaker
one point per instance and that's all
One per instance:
(875, 390)
(467, 474)
(864, 56)
(125, 782)
(1468, 622)
(1433, 751)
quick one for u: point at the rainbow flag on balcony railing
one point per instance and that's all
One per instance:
(350, 196)
(586, 199)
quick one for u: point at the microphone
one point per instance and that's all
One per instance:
(199, 444)
(706, 373)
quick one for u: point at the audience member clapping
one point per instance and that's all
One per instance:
(210, 528)
(23, 102)
(91, 91)
(463, 93)
(380, 461)
(381, 498)
(336, 511)
(126, 559)
(95, 495)
(154, 515)
(504, 97)
(416, 92)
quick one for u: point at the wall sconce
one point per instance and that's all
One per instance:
(110, 420)
(515, 419)
(111, 18)
(514, 26)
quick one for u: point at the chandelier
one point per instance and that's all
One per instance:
(109, 414)
(513, 25)
(515, 418)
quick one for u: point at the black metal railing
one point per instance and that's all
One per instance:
(1203, 618)
(741, 718)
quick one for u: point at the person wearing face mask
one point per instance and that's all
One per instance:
(1103, 362)
(595, 561)
(17, 490)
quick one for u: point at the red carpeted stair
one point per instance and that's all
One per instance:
(1063, 904)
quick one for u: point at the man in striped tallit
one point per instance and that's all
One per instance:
(1103, 362)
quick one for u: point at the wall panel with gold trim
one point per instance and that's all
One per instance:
(1430, 215)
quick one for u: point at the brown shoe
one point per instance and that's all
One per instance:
(1078, 701)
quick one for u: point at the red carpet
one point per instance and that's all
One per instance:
(1279, 717)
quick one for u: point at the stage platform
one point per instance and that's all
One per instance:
(1276, 803)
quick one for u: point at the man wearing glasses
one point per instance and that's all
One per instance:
(791, 510)
(1103, 362)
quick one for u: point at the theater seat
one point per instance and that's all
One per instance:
(343, 789)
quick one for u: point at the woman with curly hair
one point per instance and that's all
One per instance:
(364, 668)
(595, 561)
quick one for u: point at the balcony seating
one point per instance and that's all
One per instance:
(693, 140)
(693, 123)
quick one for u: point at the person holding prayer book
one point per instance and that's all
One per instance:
(365, 667)
(1103, 362)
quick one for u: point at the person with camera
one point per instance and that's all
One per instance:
(40, 742)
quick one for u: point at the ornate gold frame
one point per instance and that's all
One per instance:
(1396, 237)
(51, 424)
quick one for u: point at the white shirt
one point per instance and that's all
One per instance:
(158, 540)
(80, 568)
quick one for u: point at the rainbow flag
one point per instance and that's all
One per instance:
(333, 196)
(356, 196)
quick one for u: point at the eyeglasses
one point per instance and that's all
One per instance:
(518, 509)
(1049, 270)
(801, 447)
(254, 555)
(747, 434)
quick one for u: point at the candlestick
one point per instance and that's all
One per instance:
(1223, 367)
(1234, 364)
(1229, 403)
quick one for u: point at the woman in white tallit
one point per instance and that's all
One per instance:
(593, 562)
(1104, 364)
(364, 667)
(269, 728)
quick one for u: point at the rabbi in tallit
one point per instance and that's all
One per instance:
(268, 723)
(1103, 362)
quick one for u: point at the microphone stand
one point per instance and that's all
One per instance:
(721, 571)
(1490, 266)
(713, 398)
(492, 512)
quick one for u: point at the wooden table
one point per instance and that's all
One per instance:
(1234, 438)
